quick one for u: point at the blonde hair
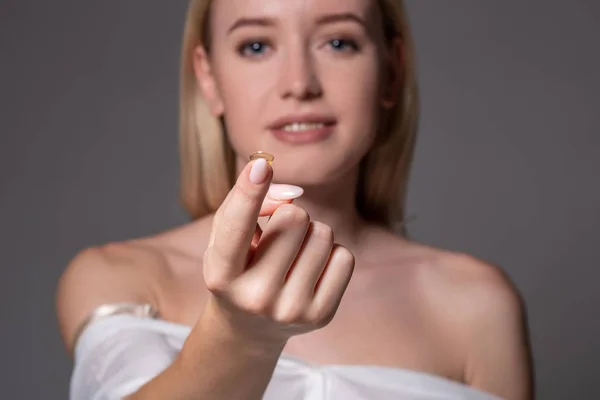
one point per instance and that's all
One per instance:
(208, 160)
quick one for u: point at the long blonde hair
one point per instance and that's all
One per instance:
(208, 160)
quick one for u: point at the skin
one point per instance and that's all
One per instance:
(421, 308)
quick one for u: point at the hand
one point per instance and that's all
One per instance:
(268, 286)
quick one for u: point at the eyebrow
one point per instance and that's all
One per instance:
(322, 20)
(341, 17)
(250, 22)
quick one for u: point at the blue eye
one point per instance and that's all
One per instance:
(252, 49)
(343, 45)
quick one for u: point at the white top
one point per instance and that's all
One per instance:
(117, 353)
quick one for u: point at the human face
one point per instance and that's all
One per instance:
(300, 79)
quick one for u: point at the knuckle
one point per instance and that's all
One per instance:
(256, 306)
(321, 316)
(322, 231)
(343, 256)
(214, 281)
(291, 313)
(292, 214)
(257, 301)
(215, 284)
(326, 319)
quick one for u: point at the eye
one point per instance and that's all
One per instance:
(343, 45)
(255, 48)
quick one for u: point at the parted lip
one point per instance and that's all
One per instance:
(302, 119)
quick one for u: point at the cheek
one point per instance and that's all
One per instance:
(244, 98)
(353, 89)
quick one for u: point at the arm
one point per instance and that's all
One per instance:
(255, 304)
(214, 365)
(210, 361)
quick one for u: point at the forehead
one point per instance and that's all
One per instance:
(227, 11)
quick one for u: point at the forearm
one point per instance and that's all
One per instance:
(214, 366)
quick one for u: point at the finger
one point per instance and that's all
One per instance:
(237, 222)
(298, 291)
(279, 244)
(277, 196)
(254, 244)
(311, 260)
(216, 219)
(333, 283)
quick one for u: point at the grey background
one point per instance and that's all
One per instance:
(506, 166)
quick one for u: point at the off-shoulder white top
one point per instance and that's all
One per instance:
(123, 346)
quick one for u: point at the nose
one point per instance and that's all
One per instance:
(299, 77)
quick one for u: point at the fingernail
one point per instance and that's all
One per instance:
(284, 192)
(259, 171)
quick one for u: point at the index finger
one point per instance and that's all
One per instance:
(236, 223)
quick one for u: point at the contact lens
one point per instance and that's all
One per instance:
(262, 154)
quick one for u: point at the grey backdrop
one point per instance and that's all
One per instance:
(506, 166)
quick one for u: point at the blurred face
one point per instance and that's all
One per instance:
(304, 80)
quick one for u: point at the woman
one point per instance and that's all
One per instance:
(225, 308)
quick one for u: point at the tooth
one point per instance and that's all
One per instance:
(296, 126)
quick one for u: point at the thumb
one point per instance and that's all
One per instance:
(277, 196)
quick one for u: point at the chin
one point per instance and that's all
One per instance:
(309, 174)
(312, 165)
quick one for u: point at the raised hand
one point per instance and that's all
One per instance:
(271, 285)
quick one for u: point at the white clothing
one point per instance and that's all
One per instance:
(117, 354)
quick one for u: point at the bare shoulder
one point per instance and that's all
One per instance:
(163, 270)
(474, 286)
(481, 288)
(479, 307)
(463, 291)
(111, 273)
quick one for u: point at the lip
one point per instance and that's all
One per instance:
(279, 123)
(306, 136)
(303, 137)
